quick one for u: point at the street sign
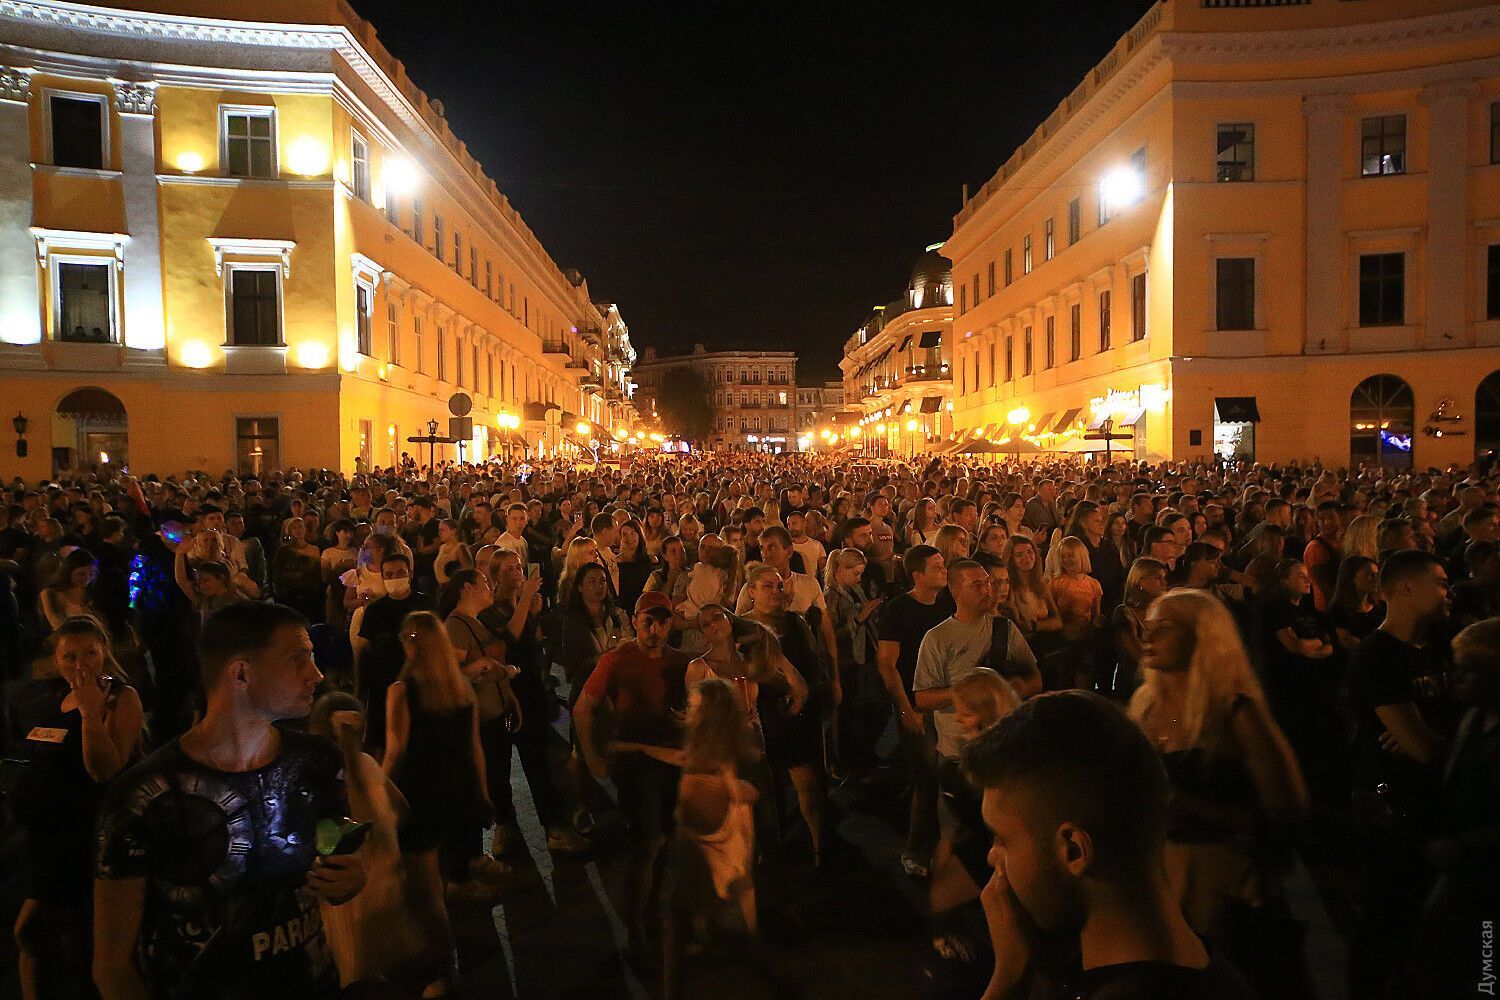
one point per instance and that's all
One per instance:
(461, 428)
(459, 404)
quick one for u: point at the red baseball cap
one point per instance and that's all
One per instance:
(653, 600)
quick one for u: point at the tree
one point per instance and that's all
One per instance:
(683, 405)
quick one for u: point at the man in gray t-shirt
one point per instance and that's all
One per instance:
(958, 646)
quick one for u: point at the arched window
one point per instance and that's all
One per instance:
(1380, 423)
(1487, 416)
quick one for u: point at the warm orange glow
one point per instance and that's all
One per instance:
(307, 156)
(190, 162)
(312, 355)
(196, 354)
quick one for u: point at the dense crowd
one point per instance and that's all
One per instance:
(259, 731)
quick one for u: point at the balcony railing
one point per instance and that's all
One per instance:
(926, 373)
(554, 347)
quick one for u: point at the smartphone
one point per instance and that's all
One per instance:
(352, 840)
(533, 570)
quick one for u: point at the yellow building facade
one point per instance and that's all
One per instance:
(1259, 231)
(241, 238)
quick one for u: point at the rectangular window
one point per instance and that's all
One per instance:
(1026, 351)
(489, 374)
(1075, 220)
(392, 208)
(1382, 145)
(363, 306)
(78, 136)
(1382, 289)
(976, 288)
(416, 343)
(1009, 268)
(439, 236)
(473, 265)
(1234, 281)
(1050, 347)
(458, 253)
(1138, 307)
(963, 299)
(1104, 320)
(249, 141)
(489, 279)
(990, 278)
(1492, 286)
(1075, 331)
(418, 224)
(474, 367)
(257, 445)
(1010, 363)
(1026, 254)
(393, 333)
(1495, 133)
(1235, 151)
(442, 353)
(359, 157)
(1103, 216)
(1049, 233)
(84, 308)
(254, 308)
(458, 364)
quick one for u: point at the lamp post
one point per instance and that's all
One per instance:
(19, 422)
(1017, 419)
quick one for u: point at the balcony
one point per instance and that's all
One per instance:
(555, 347)
(925, 373)
(578, 363)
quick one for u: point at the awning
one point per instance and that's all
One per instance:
(1236, 410)
(1066, 420)
(1043, 422)
(1132, 418)
(931, 338)
(904, 345)
(932, 404)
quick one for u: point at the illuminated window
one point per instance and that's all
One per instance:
(1383, 145)
(359, 158)
(248, 140)
(1236, 152)
(257, 445)
(80, 130)
(1026, 254)
(1104, 320)
(254, 305)
(364, 305)
(83, 300)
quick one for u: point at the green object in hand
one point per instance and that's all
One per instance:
(331, 833)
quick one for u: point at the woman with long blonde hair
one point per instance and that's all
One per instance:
(1359, 539)
(434, 756)
(1236, 783)
(581, 552)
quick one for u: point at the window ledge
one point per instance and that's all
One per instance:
(1235, 343)
(60, 171)
(84, 356)
(255, 359)
(214, 180)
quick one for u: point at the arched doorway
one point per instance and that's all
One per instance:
(89, 428)
(1487, 417)
(1380, 423)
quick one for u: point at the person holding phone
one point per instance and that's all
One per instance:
(207, 876)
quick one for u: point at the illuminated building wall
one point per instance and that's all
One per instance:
(292, 264)
(753, 394)
(1266, 225)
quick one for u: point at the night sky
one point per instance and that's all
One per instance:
(746, 175)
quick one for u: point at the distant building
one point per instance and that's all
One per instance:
(753, 394)
(1262, 231)
(819, 406)
(897, 374)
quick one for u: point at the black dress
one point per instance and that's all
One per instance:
(55, 801)
(436, 773)
(795, 740)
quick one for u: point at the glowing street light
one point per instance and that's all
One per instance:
(583, 428)
(1018, 416)
(1121, 187)
(399, 174)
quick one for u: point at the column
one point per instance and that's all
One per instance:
(145, 324)
(20, 308)
(1447, 211)
(1324, 253)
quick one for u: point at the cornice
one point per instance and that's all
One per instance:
(1336, 40)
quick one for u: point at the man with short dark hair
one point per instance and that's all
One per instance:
(209, 877)
(1076, 798)
(1323, 554)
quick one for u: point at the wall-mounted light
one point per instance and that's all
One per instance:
(399, 174)
(190, 162)
(307, 156)
(196, 354)
(1121, 187)
(19, 422)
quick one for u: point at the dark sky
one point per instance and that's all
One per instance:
(745, 175)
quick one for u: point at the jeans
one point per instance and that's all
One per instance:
(532, 742)
(648, 797)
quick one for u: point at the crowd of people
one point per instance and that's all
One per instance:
(260, 731)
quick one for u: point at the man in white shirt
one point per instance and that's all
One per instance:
(514, 537)
(810, 549)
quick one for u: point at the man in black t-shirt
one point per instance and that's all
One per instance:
(904, 620)
(378, 654)
(1395, 679)
(209, 881)
(1080, 905)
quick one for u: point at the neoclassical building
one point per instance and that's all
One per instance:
(1267, 230)
(898, 376)
(753, 394)
(238, 236)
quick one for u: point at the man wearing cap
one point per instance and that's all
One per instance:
(642, 683)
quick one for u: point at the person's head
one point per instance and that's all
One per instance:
(1330, 525)
(926, 568)
(76, 569)
(673, 552)
(845, 567)
(602, 527)
(256, 658)
(1073, 557)
(395, 570)
(466, 588)
(776, 547)
(973, 591)
(980, 700)
(1076, 800)
(1146, 581)
(1482, 560)
(517, 515)
(1480, 525)
(993, 538)
(689, 528)
(1191, 632)
(652, 620)
(1181, 528)
(430, 657)
(1160, 543)
(506, 572)
(953, 542)
(1200, 564)
(716, 726)
(767, 595)
(213, 579)
(591, 584)
(1025, 565)
(859, 533)
(81, 651)
(1476, 665)
(343, 532)
(1358, 581)
(796, 524)
(1415, 585)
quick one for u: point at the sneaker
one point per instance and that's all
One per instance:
(561, 840)
(914, 866)
(487, 869)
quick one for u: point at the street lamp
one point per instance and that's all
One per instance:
(19, 422)
(1017, 419)
(1121, 187)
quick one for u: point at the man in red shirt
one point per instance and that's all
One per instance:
(642, 682)
(1322, 555)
